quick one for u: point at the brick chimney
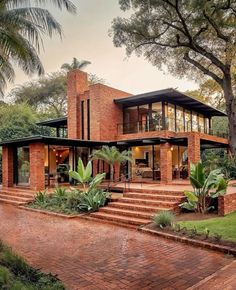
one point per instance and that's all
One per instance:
(77, 84)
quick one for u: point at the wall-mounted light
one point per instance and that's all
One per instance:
(171, 148)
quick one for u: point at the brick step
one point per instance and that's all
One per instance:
(137, 207)
(125, 212)
(13, 202)
(21, 194)
(161, 197)
(155, 191)
(165, 204)
(17, 189)
(120, 219)
(15, 197)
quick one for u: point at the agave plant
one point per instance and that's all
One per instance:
(204, 188)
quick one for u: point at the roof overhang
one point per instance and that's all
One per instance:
(172, 96)
(52, 141)
(55, 123)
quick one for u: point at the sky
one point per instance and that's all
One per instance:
(86, 38)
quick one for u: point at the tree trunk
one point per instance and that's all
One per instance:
(230, 99)
(112, 173)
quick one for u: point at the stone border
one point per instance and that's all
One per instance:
(50, 213)
(198, 243)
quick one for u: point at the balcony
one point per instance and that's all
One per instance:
(168, 124)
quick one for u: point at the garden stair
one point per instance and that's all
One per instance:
(136, 208)
(16, 195)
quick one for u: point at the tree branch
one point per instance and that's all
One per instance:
(203, 69)
(216, 28)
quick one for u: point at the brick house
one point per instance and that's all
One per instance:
(165, 130)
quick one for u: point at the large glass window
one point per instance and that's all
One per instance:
(23, 165)
(143, 117)
(170, 117)
(180, 162)
(130, 122)
(179, 119)
(194, 121)
(187, 121)
(156, 117)
(201, 123)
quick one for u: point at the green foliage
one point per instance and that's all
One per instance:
(41, 197)
(16, 274)
(75, 64)
(21, 30)
(84, 175)
(112, 156)
(17, 121)
(93, 199)
(163, 219)
(205, 188)
(47, 95)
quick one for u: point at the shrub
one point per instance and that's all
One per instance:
(73, 200)
(163, 219)
(93, 199)
(205, 188)
(40, 196)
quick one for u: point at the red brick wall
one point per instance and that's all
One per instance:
(7, 166)
(37, 173)
(193, 148)
(166, 162)
(104, 113)
(226, 204)
(77, 84)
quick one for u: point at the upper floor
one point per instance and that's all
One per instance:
(99, 112)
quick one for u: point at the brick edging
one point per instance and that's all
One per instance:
(211, 246)
(50, 213)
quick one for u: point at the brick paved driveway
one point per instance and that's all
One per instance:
(89, 255)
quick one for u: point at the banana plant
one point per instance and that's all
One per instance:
(84, 176)
(204, 188)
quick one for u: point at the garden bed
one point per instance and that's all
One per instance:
(15, 273)
(210, 232)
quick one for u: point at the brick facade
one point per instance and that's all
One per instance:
(193, 148)
(166, 162)
(37, 173)
(227, 204)
(77, 85)
(7, 166)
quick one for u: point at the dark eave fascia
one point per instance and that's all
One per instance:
(53, 141)
(54, 122)
(173, 96)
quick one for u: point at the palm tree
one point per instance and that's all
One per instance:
(76, 64)
(22, 25)
(112, 156)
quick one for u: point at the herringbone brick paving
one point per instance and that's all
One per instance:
(90, 255)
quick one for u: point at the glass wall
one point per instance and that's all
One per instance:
(170, 120)
(146, 162)
(156, 117)
(23, 165)
(149, 117)
(130, 117)
(179, 119)
(180, 162)
(143, 117)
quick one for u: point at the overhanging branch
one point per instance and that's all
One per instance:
(203, 69)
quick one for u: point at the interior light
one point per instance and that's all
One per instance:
(172, 148)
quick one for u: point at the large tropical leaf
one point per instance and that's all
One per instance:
(197, 175)
(191, 196)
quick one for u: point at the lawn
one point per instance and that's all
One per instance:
(225, 226)
(16, 274)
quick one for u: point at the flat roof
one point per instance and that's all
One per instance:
(53, 141)
(172, 96)
(58, 122)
